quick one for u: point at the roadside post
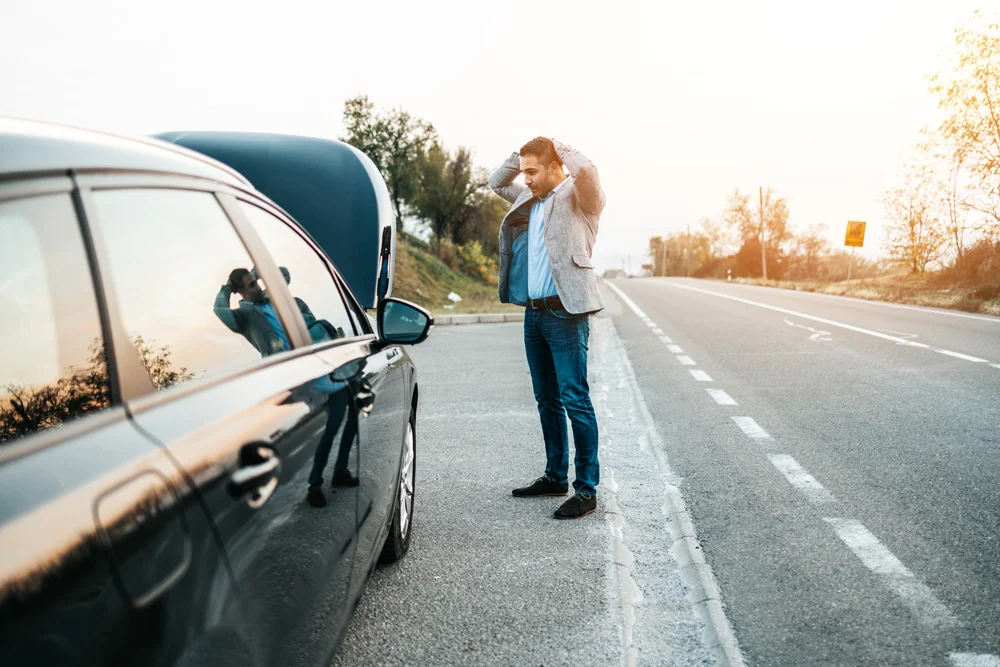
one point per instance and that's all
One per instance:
(855, 238)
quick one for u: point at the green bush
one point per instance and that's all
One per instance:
(472, 261)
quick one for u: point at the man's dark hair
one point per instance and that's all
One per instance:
(543, 149)
(236, 278)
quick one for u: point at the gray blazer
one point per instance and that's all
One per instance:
(571, 219)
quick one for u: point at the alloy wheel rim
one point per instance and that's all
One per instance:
(406, 484)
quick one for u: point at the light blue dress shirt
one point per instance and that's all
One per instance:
(540, 283)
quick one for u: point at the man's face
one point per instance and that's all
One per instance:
(539, 177)
(250, 290)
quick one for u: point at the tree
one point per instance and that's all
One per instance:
(444, 196)
(394, 140)
(765, 223)
(27, 410)
(969, 95)
(914, 230)
(809, 247)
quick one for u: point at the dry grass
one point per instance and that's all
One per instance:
(917, 289)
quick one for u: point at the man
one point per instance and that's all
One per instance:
(546, 241)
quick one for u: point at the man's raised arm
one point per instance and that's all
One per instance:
(586, 182)
(502, 180)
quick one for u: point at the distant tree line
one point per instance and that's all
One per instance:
(430, 185)
(943, 213)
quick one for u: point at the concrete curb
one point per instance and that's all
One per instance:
(694, 569)
(483, 318)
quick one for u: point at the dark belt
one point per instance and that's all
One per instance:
(547, 302)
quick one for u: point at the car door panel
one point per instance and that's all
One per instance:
(383, 429)
(291, 561)
(104, 548)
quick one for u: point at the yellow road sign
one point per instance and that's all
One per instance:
(855, 237)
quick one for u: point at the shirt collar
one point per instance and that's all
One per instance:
(554, 190)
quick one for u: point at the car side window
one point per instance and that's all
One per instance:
(53, 368)
(309, 280)
(187, 289)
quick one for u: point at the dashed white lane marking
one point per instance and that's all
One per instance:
(833, 323)
(676, 349)
(666, 339)
(721, 397)
(658, 332)
(995, 365)
(651, 324)
(686, 360)
(798, 477)
(751, 428)
(974, 660)
(959, 355)
(700, 375)
(921, 601)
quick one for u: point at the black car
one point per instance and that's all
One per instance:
(206, 442)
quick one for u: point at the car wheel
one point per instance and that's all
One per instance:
(400, 529)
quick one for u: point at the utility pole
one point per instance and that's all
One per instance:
(688, 270)
(763, 251)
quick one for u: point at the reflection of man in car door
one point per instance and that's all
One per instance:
(257, 321)
(255, 318)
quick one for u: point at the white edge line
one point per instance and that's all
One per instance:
(628, 302)
(974, 659)
(685, 541)
(814, 318)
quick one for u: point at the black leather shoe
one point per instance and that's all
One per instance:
(343, 479)
(542, 486)
(316, 497)
(579, 505)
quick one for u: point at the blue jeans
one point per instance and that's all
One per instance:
(556, 346)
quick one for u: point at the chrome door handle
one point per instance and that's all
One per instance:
(257, 477)
(366, 400)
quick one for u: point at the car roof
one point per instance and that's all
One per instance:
(29, 147)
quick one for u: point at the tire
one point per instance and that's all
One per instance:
(401, 527)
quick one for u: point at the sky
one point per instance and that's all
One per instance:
(677, 104)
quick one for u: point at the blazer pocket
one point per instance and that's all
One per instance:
(583, 261)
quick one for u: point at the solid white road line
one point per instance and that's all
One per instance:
(833, 323)
(700, 375)
(974, 660)
(628, 302)
(800, 479)
(876, 557)
(959, 355)
(721, 397)
(676, 349)
(686, 360)
(658, 332)
(666, 339)
(751, 428)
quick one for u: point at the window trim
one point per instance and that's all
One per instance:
(336, 278)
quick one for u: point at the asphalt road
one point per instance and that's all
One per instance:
(839, 461)
(846, 484)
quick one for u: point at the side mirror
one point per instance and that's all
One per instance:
(403, 322)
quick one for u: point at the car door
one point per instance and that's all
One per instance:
(382, 386)
(250, 416)
(105, 555)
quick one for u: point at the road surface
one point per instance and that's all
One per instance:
(838, 461)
